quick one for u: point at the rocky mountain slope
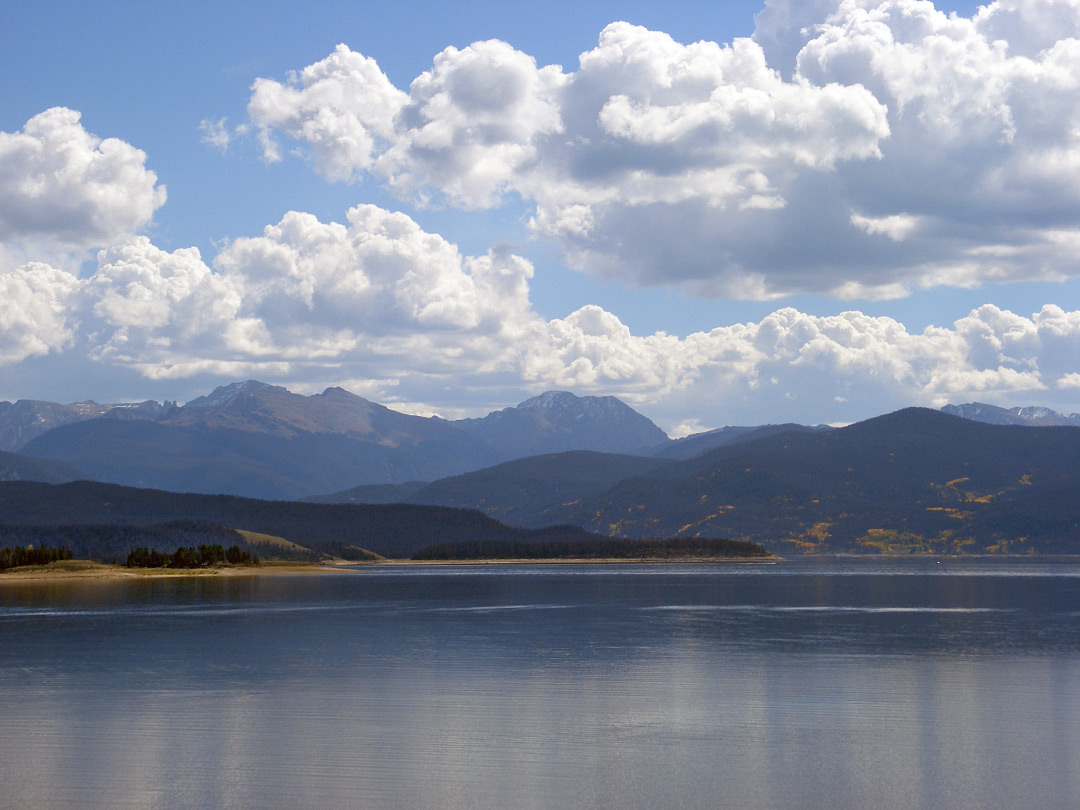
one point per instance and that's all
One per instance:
(26, 419)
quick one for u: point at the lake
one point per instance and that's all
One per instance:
(829, 683)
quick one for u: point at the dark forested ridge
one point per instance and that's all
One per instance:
(914, 480)
(395, 530)
(112, 543)
(525, 492)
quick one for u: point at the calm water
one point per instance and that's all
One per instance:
(826, 684)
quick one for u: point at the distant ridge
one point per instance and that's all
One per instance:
(257, 440)
(916, 480)
(699, 443)
(14, 467)
(26, 419)
(1032, 415)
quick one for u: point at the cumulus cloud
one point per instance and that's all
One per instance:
(854, 149)
(376, 291)
(803, 366)
(167, 314)
(473, 122)
(35, 316)
(377, 298)
(380, 275)
(340, 107)
(60, 182)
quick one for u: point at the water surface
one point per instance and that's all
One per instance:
(808, 684)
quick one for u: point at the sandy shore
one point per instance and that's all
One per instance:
(86, 570)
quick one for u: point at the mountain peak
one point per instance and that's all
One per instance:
(566, 402)
(225, 394)
(558, 421)
(336, 393)
(551, 399)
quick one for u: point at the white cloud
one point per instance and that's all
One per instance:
(164, 313)
(897, 227)
(60, 182)
(35, 316)
(854, 150)
(1029, 26)
(377, 294)
(377, 298)
(215, 134)
(379, 276)
(472, 124)
(340, 107)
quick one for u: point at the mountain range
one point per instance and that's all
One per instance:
(263, 441)
(257, 440)
(27, 419)
(913, 480)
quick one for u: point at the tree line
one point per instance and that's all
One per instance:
(111, 543)
(15, 556)
(205, 556)
(670, 548)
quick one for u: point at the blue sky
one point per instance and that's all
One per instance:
(681, 226)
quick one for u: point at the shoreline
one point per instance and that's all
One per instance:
(583, 561)
(87, 570)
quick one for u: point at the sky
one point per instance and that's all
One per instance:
(721, 213)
